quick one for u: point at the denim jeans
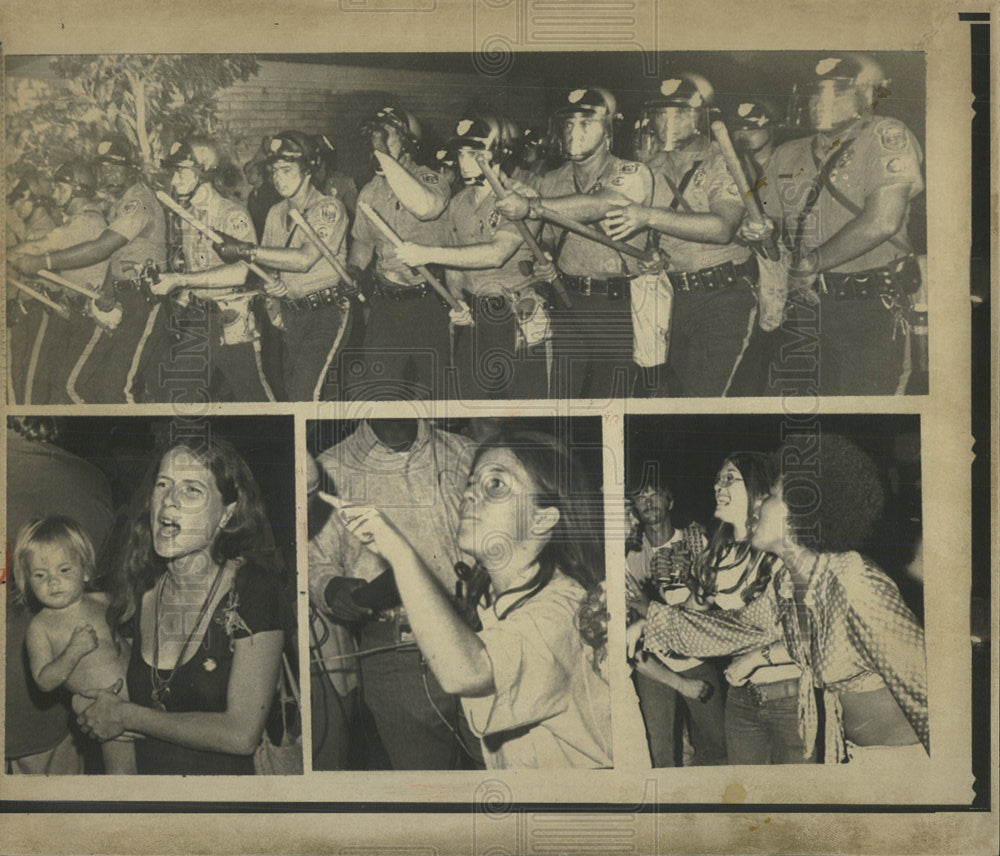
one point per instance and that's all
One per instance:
(659, 705)
(765, 733)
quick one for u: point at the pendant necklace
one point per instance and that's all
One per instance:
(161, 687)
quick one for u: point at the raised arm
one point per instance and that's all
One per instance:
(453, 650)
(423, 196)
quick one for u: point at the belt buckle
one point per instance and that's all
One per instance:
(756, 696)
(585, 286)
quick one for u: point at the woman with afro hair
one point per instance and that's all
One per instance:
(839, 616)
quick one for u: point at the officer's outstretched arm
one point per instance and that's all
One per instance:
(491, 254)
(296, 259)
(78, 256)
(421, 199)
(626, 188)
(716, 226)
(880, 219)
(221, 276)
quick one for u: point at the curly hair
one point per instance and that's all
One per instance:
(37, 429)
(247, 534)
(724, 551)
(833, 491)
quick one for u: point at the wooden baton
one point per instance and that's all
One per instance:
(324, 250)
(750, 201)
(72, 286)
(61, 311)
(396, 241)
(211, 234)
(522, 227)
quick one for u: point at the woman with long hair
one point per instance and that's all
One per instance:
(530, 678)
(198, 590)
(839, 616)
(761, 719)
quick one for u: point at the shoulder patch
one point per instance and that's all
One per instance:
(892, 136)
(237, 223)
(430, 178)
(630, 166)
(328, 211)
(618, 180)
(129, 207)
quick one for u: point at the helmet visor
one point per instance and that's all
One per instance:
(674, 125)
(581, 133)
(824, 105)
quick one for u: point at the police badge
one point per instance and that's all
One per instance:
(891, 136)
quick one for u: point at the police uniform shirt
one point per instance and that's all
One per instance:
(138, 218)
(710, 186)
(883, 153)
(466, 223)
(380, 196)
(580, 256)
(219, 214)
(328, 217)
(84, 222)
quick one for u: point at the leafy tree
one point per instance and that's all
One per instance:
(152, 99)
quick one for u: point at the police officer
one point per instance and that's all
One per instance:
(216, 302)
(753, 125)
(136, 233)
(28, 214)
(532, 154)
(405, 347)
(696, 211)
(74, 193)
(28, 219)
(620, 315)
(502, 353)
(842, 196)
(315, 307)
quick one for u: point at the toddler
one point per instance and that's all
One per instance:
(69, 642)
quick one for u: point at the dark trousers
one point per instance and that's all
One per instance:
(858, 353)
(117, 365)
(488, 364)
(592, 349)
(707, 336)
(765, 733)
(189, 361)
(409, 707)
(837, 347)
(65, 343)
(25, 321)
(405, 352)
(660, 705)
(313, 339)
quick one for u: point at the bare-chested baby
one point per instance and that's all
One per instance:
(69, 642)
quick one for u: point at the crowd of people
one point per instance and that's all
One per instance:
(774, 621)
(578, 263)
(162, 627)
